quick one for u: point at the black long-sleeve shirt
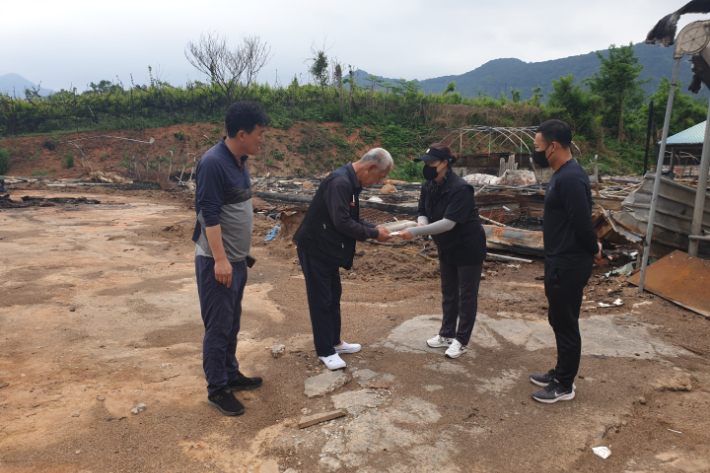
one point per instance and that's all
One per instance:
(338, 199)
(570, 238)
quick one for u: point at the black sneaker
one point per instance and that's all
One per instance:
(543, 380)
(552, 393)
(244, 384)
(226, 403)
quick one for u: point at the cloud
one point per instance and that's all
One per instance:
(78, 42)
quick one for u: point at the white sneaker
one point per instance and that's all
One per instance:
(346, 347)
(455, 350)
(439, 341)
(333, 362)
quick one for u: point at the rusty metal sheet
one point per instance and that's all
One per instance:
(610, 231)
(514, 239)
(681, 279)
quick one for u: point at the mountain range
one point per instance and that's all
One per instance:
(500, 75)
(15, 85)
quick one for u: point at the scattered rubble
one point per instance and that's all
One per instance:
(602, 452)
(325, 383)
(320, 417)
(277, 350)
(676, 381)
(616, 303)
(365, 375)
(139, 408)
(27, 201)
(108, 178)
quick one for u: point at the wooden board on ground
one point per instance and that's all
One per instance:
(681, 279)
(307, 421)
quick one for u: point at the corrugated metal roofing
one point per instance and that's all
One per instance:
(694, 135)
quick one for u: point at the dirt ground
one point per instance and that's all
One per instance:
(99, 312)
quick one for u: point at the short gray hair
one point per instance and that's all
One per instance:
(380, 156)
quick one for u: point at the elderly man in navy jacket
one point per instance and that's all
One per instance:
(326, 242)
(223, 238)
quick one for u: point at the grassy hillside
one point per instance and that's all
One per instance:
(335, 123)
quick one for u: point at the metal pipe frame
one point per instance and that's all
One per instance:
(696, 227)
(659, 173)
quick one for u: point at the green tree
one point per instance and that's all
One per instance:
(103, 87)
(450, 87)
(687, 111)
(618, 85)
(515, 93)
(571, 103)
(338, 76)
(374, 81)
(319, 68)
(407, 86)
(536, 96)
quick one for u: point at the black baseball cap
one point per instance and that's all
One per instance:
(433, 154)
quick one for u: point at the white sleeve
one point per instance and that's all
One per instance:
(443, 225)
(423, 220)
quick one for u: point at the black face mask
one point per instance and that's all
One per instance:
(430, 172)
(540, 158)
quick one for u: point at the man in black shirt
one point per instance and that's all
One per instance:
(571, 248)
(325, 242)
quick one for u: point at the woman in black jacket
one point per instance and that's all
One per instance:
(448, 212)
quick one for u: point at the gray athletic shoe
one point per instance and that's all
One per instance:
(543, 380)
(552, 393)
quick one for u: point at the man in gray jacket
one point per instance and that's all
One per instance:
(223, 238)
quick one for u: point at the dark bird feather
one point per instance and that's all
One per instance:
(664, 32)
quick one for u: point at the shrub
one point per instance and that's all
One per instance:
(283, 123)
(68, 160)
(408, 171)
(367, 136)
(4, 160)
(180, 136)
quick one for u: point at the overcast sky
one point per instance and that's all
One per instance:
(65, 43)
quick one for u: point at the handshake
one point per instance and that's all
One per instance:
(386, 234)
